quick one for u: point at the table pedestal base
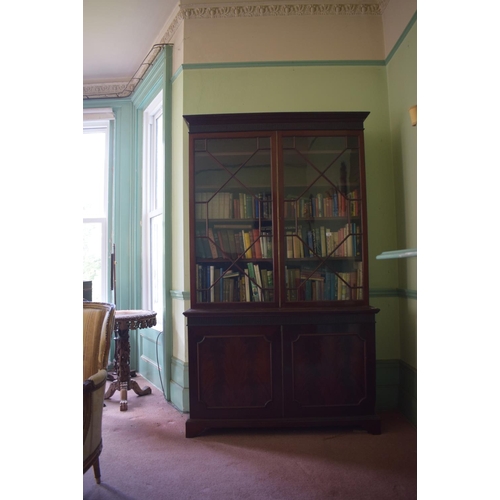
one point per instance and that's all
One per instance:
(125, 320)
(123, 388)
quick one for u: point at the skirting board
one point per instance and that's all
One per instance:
(407, 395)
(179, 385)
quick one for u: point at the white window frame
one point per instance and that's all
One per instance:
(153, 165)
(98, 120)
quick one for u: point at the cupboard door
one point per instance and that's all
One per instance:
(234, 372)
(327, 370)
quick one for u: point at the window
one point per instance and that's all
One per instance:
(96, 125)
(153, 201)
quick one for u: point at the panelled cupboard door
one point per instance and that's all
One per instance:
(327, 370)
(235, 372)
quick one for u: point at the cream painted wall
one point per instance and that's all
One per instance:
(179, 345)
(173, 33)
(179, 191)
(284, 38)
(180, 220)
(206, 3)
(396, 17)
(178, 52)
(291, 37)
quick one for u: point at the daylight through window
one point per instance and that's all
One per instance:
(153, 193)
(95, 201)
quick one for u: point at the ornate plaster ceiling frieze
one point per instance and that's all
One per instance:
(102, 90)
(196, 11)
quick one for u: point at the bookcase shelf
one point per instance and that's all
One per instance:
(277, 235)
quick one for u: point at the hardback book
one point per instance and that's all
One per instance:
(247, 244)
(256, 244)
(253, 283)
(211, 243)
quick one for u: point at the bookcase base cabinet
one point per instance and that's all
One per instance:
(299, 369)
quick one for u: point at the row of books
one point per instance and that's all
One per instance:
(223, 243)
(302, 285)
(323, 242)
(324, 205)
(229, 205)
(255, 284)
(215, 284)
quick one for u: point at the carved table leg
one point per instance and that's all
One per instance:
(123, 383)
(110, 376)
(123, 367)
(140, 392)
(123, 398)
(114, 386)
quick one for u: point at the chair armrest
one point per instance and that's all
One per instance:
(95, 382)
(90, 386)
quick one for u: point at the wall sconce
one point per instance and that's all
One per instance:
(413, 115)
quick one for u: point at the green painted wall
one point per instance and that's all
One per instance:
(402, 88)
(321, 88)
(402, 91)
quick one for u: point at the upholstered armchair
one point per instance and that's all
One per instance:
(98, 325)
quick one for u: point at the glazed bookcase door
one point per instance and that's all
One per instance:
(233, 219)
(322, 202)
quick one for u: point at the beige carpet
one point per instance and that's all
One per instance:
(146, 456)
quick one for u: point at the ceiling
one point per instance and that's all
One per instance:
(119, 34)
